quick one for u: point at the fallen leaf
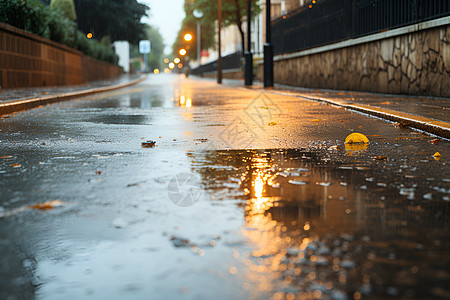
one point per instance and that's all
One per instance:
(437, 154)
(16, 165)
(356, 138)
(6, 156)
(315, 120)
(98, 172)
(272, 123)
(148, 144)
(380, 157)
(47, 205)
(201, 140)
(435, 141)
(402, 124)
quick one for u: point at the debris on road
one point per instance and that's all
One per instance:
(148, 144)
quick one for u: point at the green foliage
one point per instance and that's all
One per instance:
(31, 17)
(118, 19)
(66, 6)
(51, 23)
(156, 55)
(234, 12)
(157, 44)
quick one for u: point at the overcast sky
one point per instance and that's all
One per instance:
(166, 15)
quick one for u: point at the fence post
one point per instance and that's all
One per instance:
(268, 51)
(248, 53)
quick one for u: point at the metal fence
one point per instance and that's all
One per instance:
(330, 21)
(231, 61)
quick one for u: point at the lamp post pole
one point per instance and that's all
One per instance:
(248, 53)
(198, 15)
(219, 60)
(268, 51)
(199, 43)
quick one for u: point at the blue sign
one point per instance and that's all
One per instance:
(144, 47)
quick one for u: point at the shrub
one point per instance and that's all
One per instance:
(51, 23)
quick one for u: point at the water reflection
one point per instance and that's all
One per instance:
(328, 229)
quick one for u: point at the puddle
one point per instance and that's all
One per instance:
(332, 229)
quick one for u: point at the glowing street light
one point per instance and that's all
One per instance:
(188, 37)
(182, 52)
(176, 60)
(171, 65)
(89, 35)
(156, 71)
(166, 60)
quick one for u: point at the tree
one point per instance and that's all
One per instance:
(189, 25)
(156, 55)
(118, 19)
(234, 12)
(66, 6)
(157, 45)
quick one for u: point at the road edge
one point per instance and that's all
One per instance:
(26, 104)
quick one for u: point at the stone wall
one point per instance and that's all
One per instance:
(414, 61)
(27, 60)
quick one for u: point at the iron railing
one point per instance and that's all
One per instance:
(231, 61)
(330, 21)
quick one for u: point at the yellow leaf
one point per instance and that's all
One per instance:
(437, 154)
(315, 120)
(356, 138)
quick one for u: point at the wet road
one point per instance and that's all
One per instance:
(244, 196)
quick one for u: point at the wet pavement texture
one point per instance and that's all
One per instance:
(8, 95)
(429, 107)
(243, 195)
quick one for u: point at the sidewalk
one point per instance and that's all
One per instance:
(14, 100)
(8, 95)
(430, 114)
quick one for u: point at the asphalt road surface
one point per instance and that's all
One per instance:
(182, 189)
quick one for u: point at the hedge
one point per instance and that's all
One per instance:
(51, 23)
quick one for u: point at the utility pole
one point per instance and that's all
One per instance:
(268, 51)
(248, 53)
(219, 60)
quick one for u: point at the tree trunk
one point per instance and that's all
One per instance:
(239, 25)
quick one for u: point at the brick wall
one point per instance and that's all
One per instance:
(27, 60)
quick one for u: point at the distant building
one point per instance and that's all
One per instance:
(122, 49)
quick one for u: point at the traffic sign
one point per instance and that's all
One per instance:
(144, 47)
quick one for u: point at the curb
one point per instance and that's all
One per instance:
(439, 128)
(26, 104)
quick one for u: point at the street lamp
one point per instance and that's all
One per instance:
(182, 52)
(176, 60)
(188, 37)
(198, 15)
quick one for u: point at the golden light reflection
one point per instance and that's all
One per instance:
(166, 60)
(182, 100)
(171, 65)
(156, 71)
(176, 60)
(188, 37)
(167, 70)
(189, 102)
